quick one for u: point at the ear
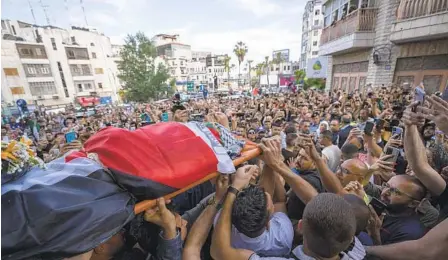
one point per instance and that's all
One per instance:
(300, 226)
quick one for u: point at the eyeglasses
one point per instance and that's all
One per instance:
(397, 191)
(251, 132)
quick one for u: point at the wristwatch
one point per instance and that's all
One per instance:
(233, 190)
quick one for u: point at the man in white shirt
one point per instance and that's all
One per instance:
(331, 153)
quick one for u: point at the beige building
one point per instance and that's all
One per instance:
(386, 41)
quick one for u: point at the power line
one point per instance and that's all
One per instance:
(44, 7)
(84, 12)
(32, 12)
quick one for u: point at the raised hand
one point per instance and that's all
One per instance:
(272, 152)
(437, 113)
(244, 175)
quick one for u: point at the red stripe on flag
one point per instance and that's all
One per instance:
(168, 153)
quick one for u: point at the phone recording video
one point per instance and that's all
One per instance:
(70, 137)
(392, 151)
(369, 128)
(378, 206)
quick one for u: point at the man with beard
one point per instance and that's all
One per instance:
(402, 194)
(428, 133)
(307, 170)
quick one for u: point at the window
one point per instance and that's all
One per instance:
(3, 25)
(92, 44)
(38, 52)
(53, 43)
(314, 43)
(26, 51)
(42, 88)
(86, 69)
(93, 55)
(79, 87)
(284, 67)
(289, 67)
(73, 39)
(315, 32)
(11, 72)
(64, 84)
(317, 12)
(31, 70)
(100, 85)
(99, 71)
(88, 86)
(316, 22)
(45, 70)
(17, 90)
(71, 54)
(315, 53)
(13, 30)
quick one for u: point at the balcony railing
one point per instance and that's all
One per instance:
(417, 8)
(361, 20)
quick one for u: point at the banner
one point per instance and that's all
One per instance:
(317, 67)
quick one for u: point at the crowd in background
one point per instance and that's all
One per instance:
(342, 176)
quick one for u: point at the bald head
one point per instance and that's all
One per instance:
(355, 166)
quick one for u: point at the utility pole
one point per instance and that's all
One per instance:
(250, 68)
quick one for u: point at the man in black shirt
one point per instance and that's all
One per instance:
(307, 170)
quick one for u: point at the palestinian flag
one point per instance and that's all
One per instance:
(78, 202)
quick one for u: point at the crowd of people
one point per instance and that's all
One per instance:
(341, 176)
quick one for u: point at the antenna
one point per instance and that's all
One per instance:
(84, 12)
(44, 7)
(32, 12)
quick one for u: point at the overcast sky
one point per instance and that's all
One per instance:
(207, 25)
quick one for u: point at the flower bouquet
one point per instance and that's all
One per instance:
(17, 159)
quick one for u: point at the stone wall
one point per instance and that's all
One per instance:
(383, 72)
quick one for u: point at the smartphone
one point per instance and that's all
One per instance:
(368, 128)
(392, 151)
(70, 137)
(377, 205)
(380, 124)
(419, 95)
(397, 131)
(165, 117)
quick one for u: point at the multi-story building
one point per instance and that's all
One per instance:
(312, 24)
(51, 66)
(176, 55)
(198, 68)
(379, 42)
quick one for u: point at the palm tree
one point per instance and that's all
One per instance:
(250, 68)
(278, 60)
(267, 63)
(227, 68)
(259, 71)
(240, 51)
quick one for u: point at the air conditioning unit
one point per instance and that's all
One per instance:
(55, 97)
(93, 93)
(40, 98)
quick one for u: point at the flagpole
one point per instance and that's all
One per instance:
(245, 156)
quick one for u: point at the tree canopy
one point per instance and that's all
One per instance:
(143, 79)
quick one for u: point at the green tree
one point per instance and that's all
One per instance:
(278, 60)
(300, 76)
(143, 79)
(259, 71)
(240, 51)
(267, 65)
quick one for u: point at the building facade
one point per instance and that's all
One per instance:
(312, 24)
(51, 66)
(379, 42)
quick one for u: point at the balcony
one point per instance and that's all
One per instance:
(420, 20)
(354, 32)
